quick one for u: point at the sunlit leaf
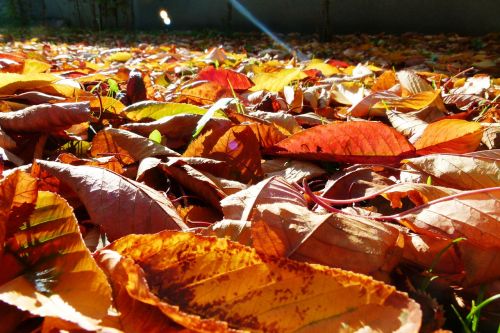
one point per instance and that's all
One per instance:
(204, 276)
(121, 205)
(353, 142)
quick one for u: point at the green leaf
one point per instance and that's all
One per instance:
(217, 106)
(157, 110)
(155, 136)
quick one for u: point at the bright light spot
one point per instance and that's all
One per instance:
(164, 17)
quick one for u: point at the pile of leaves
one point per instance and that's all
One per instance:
(160, 188)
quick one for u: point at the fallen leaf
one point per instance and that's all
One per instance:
(140, 309)
(157, 110)
(276, 81)
(353, 142)
(126, 146)
(458, 171)
(470, 214)
(208, 284)
(450, 136)
(226, 78)
(121, 205)
(239, 206)
(58, 277)
(238, 146)
(46, 117)
(412, 82)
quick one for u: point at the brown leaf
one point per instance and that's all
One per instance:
(178, 130)
(195, 181)
(46, 117)
(240, 205)
(203, 276)
(121, 205)
(126, 146)
(470, 214)
(467, 172)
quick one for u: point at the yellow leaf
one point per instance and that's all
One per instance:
(32, 66)
(326, 69)
(120, 56)
(225, 281)
(59, 278)
(10, 83)
(276, 81)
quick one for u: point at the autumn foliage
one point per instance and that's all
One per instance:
(161, 189)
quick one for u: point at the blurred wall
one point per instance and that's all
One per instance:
(321, 16)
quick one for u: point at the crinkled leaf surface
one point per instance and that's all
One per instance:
(466, 172)
(226, 78)
(226, 281)
(57, 276)
(121, 205)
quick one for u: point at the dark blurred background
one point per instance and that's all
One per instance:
(324, 17)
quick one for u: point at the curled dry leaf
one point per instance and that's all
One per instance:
(292, 171)
(56, 275)
(336, 240)
(228, 282)
(470, 214)
(450, 136)
(239, 206)
(178, 130)
(126, 146)
(467, 172)
(238, 146)
(352, 142)
(195, 181)
(412, 82)
(407, 124)
(6, 141)
(46, 117)
(119, 204)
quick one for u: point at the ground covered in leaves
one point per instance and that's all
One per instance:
(211, 183)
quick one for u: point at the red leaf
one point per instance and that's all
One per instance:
(226, 78)
(337, 63)
(354, 142)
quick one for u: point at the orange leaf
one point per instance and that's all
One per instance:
(226, 78)
(57, 275)
(238, 146)
(350, 142)
(450, 136)
(228, 282)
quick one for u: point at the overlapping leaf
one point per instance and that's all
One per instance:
(354, 142)
(121, 205)
(215, 278)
